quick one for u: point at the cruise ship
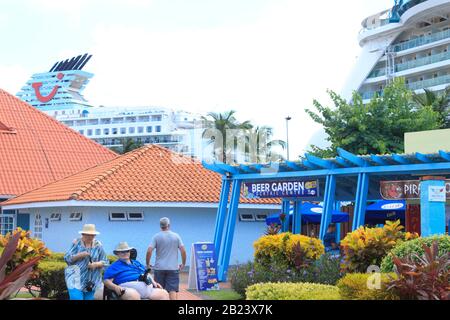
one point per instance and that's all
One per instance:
(59, 93)
(409, 40)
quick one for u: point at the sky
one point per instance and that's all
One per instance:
(265, 59)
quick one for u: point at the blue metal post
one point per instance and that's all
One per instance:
(330, 190)
(337, 207)
(432, 211)
(224, 260)
(360, 201)
(297, 225)
(286, 211)
(221, 215)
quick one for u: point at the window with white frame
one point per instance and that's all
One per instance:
(38, 226)
(6, 224)
(55, 217)
(246, 217)
(117, 216)
(261, 217)
(135, 216)
(76, 216)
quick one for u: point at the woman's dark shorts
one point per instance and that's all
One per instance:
(168, 279)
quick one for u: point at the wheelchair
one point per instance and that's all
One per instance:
(109, 294)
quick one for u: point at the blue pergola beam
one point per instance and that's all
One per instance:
(224, 261)
(247, 169)
(227, 168)
(294, 166)
(325, 164)
(342, 162)
(444, 155)
(221, 215)
(309, 165)
(422, 157)
(400, 159)
(360, 162)
(213, 167)
(378, 160)
(328, 203)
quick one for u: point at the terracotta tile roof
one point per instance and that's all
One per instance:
(148, 174)
(35, 149)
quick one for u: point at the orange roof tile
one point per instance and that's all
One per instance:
(36, 149)
(148, 174)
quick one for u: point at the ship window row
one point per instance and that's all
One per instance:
(88, 122)
(144, 140)
(115, 131)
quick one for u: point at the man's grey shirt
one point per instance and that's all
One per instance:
(166, 244)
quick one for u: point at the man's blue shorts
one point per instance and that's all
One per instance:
(168, 279)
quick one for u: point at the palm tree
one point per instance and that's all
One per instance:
(264, 145)
(128, 144)
(439, 103)
(222, 122)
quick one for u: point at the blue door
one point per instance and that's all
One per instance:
(23, 221)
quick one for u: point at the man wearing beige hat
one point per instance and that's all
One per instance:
(86, 258)
(126, 277)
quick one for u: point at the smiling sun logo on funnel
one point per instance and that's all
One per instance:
(37, 90)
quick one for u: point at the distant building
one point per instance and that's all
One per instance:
(58, 93)
(410, 40)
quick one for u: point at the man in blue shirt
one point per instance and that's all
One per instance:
(329, 240)
(123, 276)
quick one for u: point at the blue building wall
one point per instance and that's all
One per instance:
(192, 224)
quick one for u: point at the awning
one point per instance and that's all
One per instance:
(311, 213)
(384, 210)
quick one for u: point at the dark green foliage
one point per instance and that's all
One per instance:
(377, 127)
(326, 270)
(423, 278)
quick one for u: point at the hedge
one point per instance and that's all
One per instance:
(415, 246)
(292, 291)
(353, 286)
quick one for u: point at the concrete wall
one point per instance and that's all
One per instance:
(427, 141)
(193, 225)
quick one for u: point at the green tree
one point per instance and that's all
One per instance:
(264, 145)
(438, 101)
(223, 122)
(128, 144)
(376, 127)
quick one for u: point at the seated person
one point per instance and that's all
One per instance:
(329, 241)
(124, 274)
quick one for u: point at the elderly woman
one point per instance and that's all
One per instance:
(125, 277)
(86, 259)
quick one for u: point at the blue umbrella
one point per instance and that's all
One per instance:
(384, 210)
(310, 213)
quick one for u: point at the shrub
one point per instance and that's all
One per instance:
(353, 286)
(55, 256)
(415, 246)
(368, 246)
(51, 281)
(423, 278)
(325, 270)
(27, 249)
(292, 251)
(12, 280)
(112, 258)
(292, 291)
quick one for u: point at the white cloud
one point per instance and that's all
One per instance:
(13, 77)
(265, 71)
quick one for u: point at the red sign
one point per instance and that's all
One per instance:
(396, 190)
(37, 90)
